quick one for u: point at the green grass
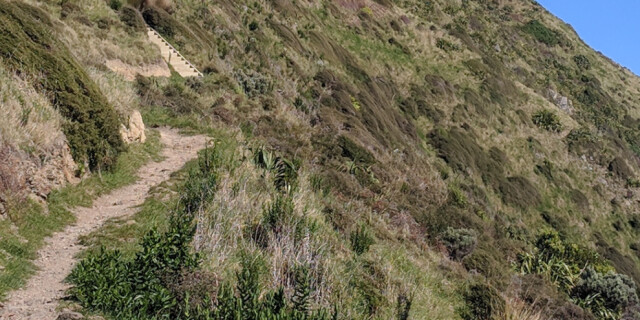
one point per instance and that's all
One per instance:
(29, 224)
(92, 123)
(124, 233)
(368, 48)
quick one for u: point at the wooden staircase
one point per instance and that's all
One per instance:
(181, 65)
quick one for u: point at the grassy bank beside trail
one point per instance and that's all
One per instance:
(29, 222)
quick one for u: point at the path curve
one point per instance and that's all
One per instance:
(39, 298)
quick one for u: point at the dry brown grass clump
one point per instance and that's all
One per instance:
(28, 120)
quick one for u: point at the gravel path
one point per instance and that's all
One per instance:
(39, 298)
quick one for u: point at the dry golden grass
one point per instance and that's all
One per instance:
(519, 310)
(120, 93)
(28, 120)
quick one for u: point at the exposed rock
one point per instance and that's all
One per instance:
(135, 131)
(561, 101)
(37, 173)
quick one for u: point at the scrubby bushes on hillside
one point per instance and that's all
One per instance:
(606, 295)
(588, 279)
(92, 124)
(547, 120)
(361, 240)
(542, 33)
(139, 287)
(132, 18)
(482, 301)
(582, 62)
(459, 242)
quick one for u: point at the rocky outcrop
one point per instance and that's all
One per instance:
(35, 173)
(135, 130)
(562, 102)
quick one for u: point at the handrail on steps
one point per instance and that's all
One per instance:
(175, 50)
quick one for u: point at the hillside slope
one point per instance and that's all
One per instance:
(378, 159)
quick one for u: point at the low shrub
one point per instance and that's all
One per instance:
(403, 307)
(285, 171)
(547, 120)
(247, 301)
(149, 285)
(558, 260)
(355, 152)
(278, 213)
(457, 197)
(115, 4)
(519, 192)
(588, 279)
(582, 62)
(253, 83)
(160, 20)
(606, 295)
(446, 45)
(459, 242)
(361, 240)
(92, 126)
(132, 18)
(619, 168)
(482, 301)
(541, 33)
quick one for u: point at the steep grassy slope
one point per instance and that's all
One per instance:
(53, 108)
(429, 159)
(92, 126)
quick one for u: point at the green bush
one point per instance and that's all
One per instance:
(285, 170)
(141, 287)
(115, 4)
(92, 125)
(446, 46)
(459, 242)
(582, 62)
(361, 240)
(247, 302)
(559, 260)
(547, 120)
(132, 18)
(278, 213)
(253, 83)
(482, 302)
(582, 273)
(161, 21)
(542, 33)
(606, 295)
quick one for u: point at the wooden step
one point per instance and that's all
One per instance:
(179, 63)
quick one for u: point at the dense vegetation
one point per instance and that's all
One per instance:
(28, 46)
(385, 159)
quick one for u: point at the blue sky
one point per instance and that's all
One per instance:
(609, 26)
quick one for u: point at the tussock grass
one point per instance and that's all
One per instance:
(28, 121)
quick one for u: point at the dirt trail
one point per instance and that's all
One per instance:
(39, 298)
